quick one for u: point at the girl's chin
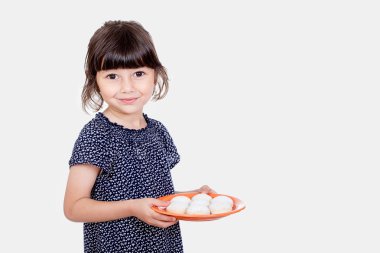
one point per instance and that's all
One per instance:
(125, 110)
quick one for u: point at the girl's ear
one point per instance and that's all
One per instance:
(154, 88)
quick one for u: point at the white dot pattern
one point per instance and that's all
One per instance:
(134, 164)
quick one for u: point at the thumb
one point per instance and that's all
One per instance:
(158, 202)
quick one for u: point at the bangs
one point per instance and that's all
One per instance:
(129, 56)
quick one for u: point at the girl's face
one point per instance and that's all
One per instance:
(126, 91)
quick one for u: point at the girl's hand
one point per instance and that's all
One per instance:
(142, 210)
(205, 189)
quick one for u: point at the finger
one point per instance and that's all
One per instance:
(212, 191)
(158, 202)
(203, 189)
(206, 189)
(163, 224)
(162, 217)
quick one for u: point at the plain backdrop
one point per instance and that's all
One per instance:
(274, 102)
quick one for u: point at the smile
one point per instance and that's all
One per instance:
(128, 101)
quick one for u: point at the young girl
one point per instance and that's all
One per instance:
(121, 160)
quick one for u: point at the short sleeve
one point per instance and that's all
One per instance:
(91, 148)
(172, 154)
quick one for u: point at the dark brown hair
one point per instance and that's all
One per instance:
(120, 44)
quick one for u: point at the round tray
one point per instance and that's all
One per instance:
(237, 207)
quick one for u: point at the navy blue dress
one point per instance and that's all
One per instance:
(134, 164)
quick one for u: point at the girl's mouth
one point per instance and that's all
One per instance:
(128, 101)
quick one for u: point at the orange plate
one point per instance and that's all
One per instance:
(237, 207)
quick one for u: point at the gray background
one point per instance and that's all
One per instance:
(274, 102)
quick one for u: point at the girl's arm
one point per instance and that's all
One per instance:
(78, 205)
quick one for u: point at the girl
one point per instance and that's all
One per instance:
(121, 160)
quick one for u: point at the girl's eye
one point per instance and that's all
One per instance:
(112, 76)
(139, 73)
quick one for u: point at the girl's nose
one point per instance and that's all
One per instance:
(126, 86)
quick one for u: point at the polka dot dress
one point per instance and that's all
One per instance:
(134, 164)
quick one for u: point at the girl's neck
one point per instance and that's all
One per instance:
(130, 121)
